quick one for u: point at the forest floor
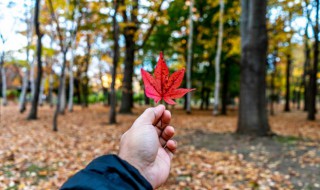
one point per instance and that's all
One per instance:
(209, 156)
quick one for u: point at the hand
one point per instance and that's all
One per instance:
(147, 145)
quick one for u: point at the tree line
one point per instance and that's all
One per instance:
(67, 40)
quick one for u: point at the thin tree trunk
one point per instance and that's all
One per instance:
(35, 98)
(306, 72)
(252, 118)
(225, 88)
(189, 57)
(41, 92)
(62, 96)
(4, 86)
(112, 114)
(288, 71)
(60, 91)
(51, 89)
(272, 86)
(313, 76)
(32, 82)
(202, 96)
(71, 80)
(85, 82)
(23, 95)
(217, 61)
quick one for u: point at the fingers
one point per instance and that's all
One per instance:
(164, 121)
(166, 135)
(171, 148)
(151, 115)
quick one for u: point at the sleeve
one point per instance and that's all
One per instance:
(107, 172)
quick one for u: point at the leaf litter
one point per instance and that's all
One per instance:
(208, 157)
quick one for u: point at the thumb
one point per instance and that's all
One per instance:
(151, 115)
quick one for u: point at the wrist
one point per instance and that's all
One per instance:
(138, 166)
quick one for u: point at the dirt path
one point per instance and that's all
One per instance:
(298, 160)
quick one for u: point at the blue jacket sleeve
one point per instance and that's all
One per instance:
(107, 172)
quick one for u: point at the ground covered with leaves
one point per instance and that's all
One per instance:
(209, 156)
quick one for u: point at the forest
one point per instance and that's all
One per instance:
(71, 84)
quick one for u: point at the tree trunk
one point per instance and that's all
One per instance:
(207, 99)
(252, 118)
(112, 114)
(32, 83)
(23, 95)
(85, 81)
(306, 73)
(35, 98)
(313, 76)
(288, 71)
(62, 96)
(127, 93)
(71, 80)
(51, 89)
(60, 91)
(202, 96)
(225, 88)
(41, 92)
(189, 57)
(4, 85)
(217, 61)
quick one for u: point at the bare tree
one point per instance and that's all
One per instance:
(23, 95)
(35, 98)
(189, 56)
(113, 100)
(217, 61)
(64, 46)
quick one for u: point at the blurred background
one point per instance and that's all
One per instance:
(73, 67)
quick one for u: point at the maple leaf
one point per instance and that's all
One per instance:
(163, 86)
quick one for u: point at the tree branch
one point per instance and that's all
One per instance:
(153, 24)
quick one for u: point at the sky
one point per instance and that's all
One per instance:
(10, 24)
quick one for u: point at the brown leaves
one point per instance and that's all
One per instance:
(34, 157)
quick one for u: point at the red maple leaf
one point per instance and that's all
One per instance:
(163, 86)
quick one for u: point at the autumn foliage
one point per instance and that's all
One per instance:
(163, 86)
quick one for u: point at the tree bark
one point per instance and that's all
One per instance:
(71, 78)
(225, 88)
(272, 85)
(112, 114)
(306, 70)
(127, 93)
(252, 118)
(51, 89)
(189, 57)
(217, 61)
(35, 98)
(85, 81)
(23, 95)
(41, 92)
(60, 91)
(62, 97)
(313, 76)
(288, 71)
(4, 85)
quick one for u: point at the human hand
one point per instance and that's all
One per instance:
(148, 146)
